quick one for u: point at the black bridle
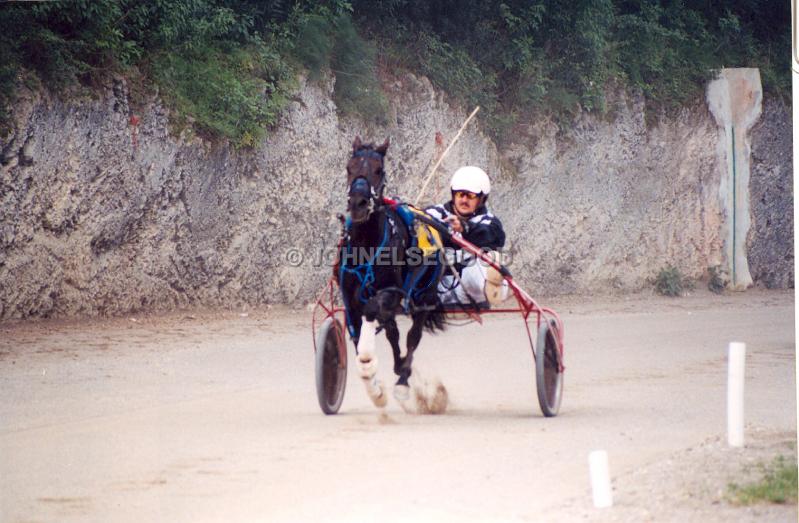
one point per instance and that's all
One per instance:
(360, 184)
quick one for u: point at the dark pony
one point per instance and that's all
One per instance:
(379, 275)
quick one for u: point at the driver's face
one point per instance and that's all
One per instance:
(465, 202)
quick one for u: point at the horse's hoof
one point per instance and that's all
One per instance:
(381, 401)
(376, 391)
(402, 393)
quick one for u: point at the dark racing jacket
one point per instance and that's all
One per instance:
(482, 229)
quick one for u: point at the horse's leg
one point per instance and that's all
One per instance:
(429, 395)
(355, 318)
(366, 361)
(367, 364)
(411, 342)
(385, 306)
(393, 336)
(362, 361)
(402, 391)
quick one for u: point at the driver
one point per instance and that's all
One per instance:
(467, 215)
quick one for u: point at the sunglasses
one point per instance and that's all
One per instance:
(465, 194)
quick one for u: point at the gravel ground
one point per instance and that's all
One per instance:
(692, 484)
(211, 416)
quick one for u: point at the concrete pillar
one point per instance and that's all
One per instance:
(735, 100)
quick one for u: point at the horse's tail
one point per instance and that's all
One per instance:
(435, 320)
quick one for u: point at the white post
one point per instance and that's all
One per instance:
(735, 394)
(600, 479)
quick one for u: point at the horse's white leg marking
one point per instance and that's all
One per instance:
(367, 364)
(367, 360)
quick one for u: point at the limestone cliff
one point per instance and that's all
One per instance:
(101, 213)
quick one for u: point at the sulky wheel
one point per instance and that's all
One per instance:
(331, 366)
(548, 373)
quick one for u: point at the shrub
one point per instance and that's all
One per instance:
(235, 94)
(558, 57)
(314, 45)
(325, 42)
(208, 58)
(354, 62)
(669, 282)
(454, 71)
(516, 59)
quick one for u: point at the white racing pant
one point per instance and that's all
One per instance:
(473, 283)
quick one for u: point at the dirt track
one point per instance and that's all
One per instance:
(213, 417)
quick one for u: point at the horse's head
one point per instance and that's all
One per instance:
(365, 179)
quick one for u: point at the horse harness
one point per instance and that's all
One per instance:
(416, 281)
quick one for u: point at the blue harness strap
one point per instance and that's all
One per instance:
(412, 287)
(350, 327)
(364, 272)
(407, 216)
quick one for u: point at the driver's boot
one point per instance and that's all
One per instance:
(496, 290)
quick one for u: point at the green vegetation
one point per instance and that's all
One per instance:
(224, 65)
(779, 485)
(670, 282)
(225, 92)
(554, 58)
(334, 43)
(228, 65)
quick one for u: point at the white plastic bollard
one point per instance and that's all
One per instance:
(600, 479)
(735, 394)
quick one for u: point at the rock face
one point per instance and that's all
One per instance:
(771, 256)
(614, 202)
(102, 213)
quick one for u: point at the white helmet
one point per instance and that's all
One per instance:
(472, 179)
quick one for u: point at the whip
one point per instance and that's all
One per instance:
(441, 158)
